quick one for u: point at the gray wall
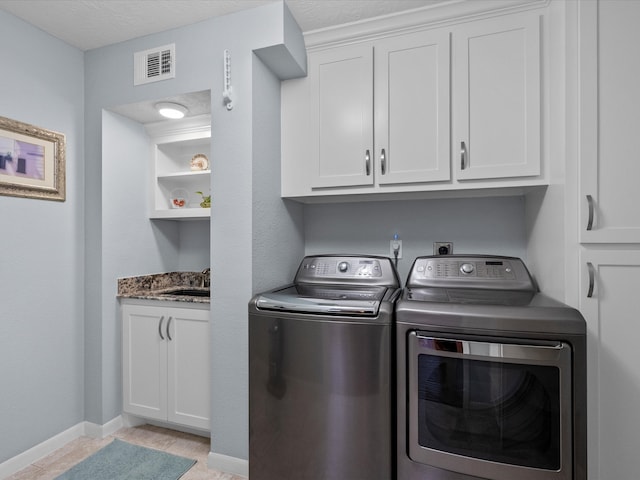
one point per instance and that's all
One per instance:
(41, 259)
(257, 239)
(109, 83)
(474, 225)
(61, 353)
(132, 245)
(245, 177)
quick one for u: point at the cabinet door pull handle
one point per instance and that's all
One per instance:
(590, 203)
(383, 162)
(463, 155)
(367, 162)
(592, 275)
(160, 327)
(168, 326)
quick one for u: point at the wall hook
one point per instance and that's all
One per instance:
(227, 92)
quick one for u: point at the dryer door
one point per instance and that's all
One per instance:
(494, 410)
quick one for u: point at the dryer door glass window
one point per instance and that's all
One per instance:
(495, 411)
(482, 401)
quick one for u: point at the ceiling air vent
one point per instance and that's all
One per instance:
(154, 65)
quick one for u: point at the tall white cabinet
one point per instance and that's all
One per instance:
(609, 221)
(613, 331)
(165, 358)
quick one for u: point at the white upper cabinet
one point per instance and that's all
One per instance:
(609, 119)
(496, 116)
(342, 117)
(392, 114)
(412, 108)
(398, 88)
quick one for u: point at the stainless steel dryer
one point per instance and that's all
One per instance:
(491, 375)
(320, 372)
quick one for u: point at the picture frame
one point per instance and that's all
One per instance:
(32, 161)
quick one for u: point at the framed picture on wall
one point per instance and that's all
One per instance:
(32, 161)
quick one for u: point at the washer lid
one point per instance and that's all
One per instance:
(324, 300)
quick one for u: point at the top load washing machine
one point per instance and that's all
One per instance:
(491, 375)
(320, 372)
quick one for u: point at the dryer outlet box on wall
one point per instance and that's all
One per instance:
(442, 248)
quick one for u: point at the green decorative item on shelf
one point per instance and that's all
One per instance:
(206, 200)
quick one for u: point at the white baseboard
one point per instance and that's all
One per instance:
(226, 464)
(24, 459)
(101, 431)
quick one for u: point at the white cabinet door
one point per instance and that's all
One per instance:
(189, 368)
(342, 117)
(609, 120)
(496, 98)
(412, 108)
(144, 361)
(166, 367)
(613, 331)
(393, 114)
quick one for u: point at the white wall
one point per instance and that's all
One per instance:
(474, 225)
(194, 246)
(41, 253)
(549, 227)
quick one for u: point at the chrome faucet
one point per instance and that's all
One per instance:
(206, 278)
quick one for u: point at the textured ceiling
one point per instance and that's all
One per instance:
(88, 24)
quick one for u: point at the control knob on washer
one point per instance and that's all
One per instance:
(343, 266)
(467, 268)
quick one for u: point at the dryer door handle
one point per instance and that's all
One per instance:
(541, 354)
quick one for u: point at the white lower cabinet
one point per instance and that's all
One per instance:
(610, 303)
(166, 363)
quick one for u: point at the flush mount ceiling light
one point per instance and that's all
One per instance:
(171, 110)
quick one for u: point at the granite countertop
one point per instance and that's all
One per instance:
(156, 286)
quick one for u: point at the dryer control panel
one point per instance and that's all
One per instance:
(470, 271)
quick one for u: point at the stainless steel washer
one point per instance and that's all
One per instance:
(320, 372)
(491, 375)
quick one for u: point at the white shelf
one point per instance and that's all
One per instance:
(197, 213)
(174, 144)
(177, 175)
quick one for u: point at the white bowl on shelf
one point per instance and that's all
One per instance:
(179, 198)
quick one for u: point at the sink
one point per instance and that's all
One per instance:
(190, 292)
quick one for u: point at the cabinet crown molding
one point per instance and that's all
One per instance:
(435, 15)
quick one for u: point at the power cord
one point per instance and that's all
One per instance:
(396, 249)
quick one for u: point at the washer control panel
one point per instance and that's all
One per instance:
(466, 271)
(348, 269)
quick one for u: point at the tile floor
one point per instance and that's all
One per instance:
(178, 443)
